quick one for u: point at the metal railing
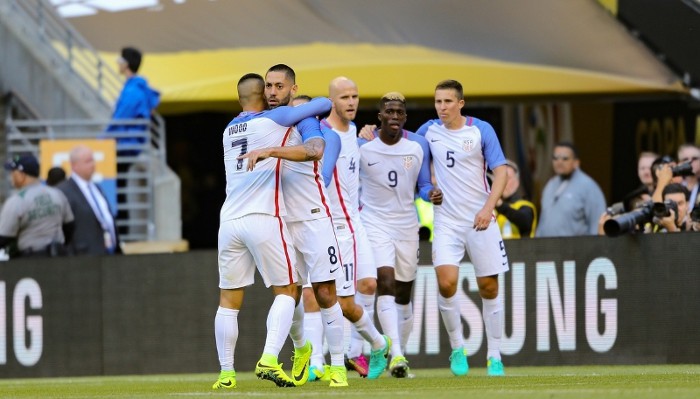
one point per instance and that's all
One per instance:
(40, 22)
(63, 49)
(135, 170)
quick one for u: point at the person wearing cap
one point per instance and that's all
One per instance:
(516, 216)
(36, 218)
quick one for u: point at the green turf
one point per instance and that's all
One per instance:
(619, 382)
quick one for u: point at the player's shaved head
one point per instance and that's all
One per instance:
(251, 92)
(339, 84)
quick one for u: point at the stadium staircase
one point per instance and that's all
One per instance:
(55, 86)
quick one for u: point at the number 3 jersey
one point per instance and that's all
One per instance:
(389, 175)
(460, 159)
(259, 190)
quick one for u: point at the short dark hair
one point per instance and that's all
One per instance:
(451, 84)
(249, 76)
(675, 188)
(288, 71)
(303, 97)
(55, 176)
(132, 56)
(568, 145)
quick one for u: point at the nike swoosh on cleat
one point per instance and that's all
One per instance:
(226, 385)
(301, 375)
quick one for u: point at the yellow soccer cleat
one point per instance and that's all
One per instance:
(266, 370)
(227, 380)
(339, 377)
(300, 368)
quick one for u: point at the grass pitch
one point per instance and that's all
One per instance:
(619, 382)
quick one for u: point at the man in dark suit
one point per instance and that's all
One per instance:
(95, 232)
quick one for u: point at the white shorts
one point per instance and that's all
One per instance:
(317, 254)
(485, 248)
(251, 240)
(358, 262)
(402, 255)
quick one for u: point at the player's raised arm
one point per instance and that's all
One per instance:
(311, 150)
(290, 116)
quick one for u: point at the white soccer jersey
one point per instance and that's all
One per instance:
(460, 159)
(388, 176)
(344, 187)
(304, 191)
(259, 190)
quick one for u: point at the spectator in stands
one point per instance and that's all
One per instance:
(646, 177)
(516, 216)
(37, 219)
(572, 201)
(689, 153)
(95, 232)
(662, 172)
(136, 101)
(55, 176)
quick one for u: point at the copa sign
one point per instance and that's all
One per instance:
(26, 325)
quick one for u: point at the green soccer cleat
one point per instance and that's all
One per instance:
(458, 362)
(300, 367)
(399, 367)
(227, 380)
(339, 376)
(494, 368)
(273, 372)
(378, 360)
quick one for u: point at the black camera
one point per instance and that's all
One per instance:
(684, 169)
(695, 214)
(627, 222)
(615, 209)
(663, 209)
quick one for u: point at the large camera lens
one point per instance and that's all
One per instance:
(685, 169)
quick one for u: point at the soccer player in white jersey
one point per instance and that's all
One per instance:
(278, 91)
(309, 222)
(392, 168)
(252, 231)
(357, 288)
(463, 148)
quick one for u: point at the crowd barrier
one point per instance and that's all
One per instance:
(589, 300)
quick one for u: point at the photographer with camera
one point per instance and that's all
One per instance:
(670, 215)
(690, 154)
(667, 171)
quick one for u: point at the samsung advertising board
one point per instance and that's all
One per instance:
(588, 300)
